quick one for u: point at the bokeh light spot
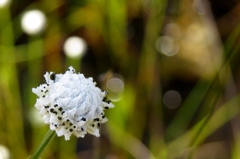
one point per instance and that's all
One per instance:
(115, 86)
(4, 3)
(167, 45)
(172, 99)
(173, 30)
(35, 118)
(4, 152)
(33, 22)
(75, 47)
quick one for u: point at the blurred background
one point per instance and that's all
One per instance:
(171, 68)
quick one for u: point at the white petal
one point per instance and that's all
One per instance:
(61, 131)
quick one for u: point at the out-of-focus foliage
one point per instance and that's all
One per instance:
(171, 68)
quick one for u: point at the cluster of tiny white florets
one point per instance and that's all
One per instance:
(71, 104)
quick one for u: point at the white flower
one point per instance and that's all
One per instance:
(71, 104)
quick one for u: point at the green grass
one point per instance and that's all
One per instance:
(140, 125)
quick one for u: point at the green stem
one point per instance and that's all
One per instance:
(46, 140)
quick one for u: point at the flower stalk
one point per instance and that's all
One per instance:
(46, 140)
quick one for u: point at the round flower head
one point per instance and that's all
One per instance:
(71, 104)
